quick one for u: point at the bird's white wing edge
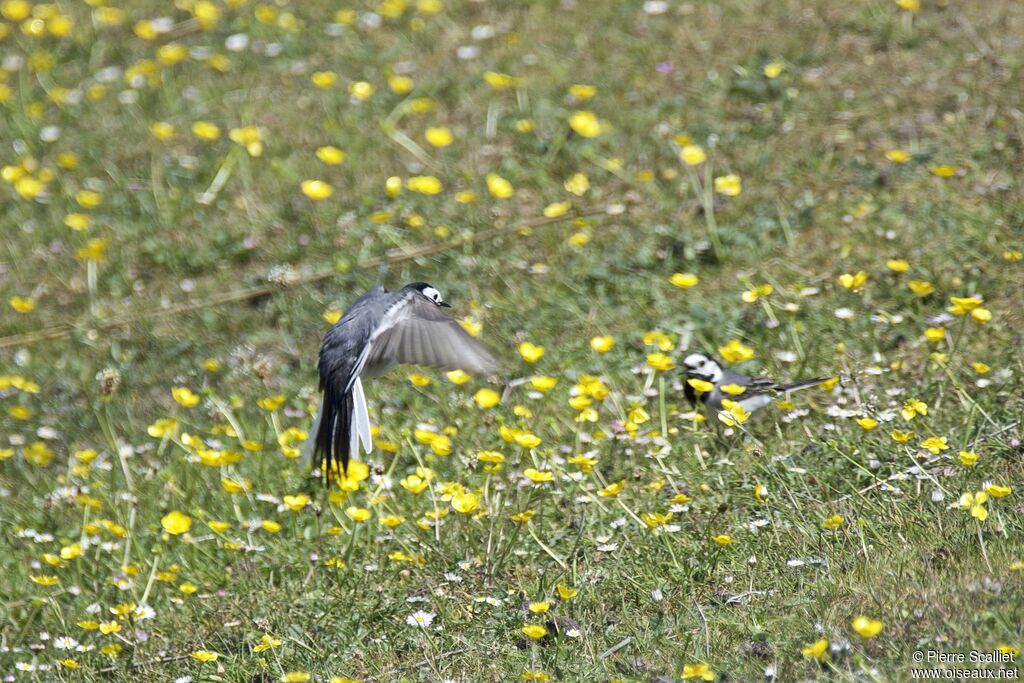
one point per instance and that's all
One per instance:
(307, 448)
(360, 421)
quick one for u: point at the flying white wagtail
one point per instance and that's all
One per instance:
(382, 329)
(757, 391)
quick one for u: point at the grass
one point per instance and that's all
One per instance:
(207, 268)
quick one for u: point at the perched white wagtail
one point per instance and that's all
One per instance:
(757, 391)
(382, 329)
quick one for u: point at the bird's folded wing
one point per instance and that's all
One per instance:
(758, 385)
(419, 333)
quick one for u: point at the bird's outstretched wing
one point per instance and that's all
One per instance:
(417, 332)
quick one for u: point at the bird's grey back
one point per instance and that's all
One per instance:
(346, 339)
(733, 377)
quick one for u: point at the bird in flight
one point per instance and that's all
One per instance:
(380, 330)
(752, 393)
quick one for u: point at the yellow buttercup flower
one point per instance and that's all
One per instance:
(577, 184)
(659, 339)
(735, 351)
(323, 79)
(543, 383)
(855, 281)
(330, 155)
(866, 627)
(968, 458)
(499, 187)
(465, 502)
(109, 627)
(701, 671)
(684, 280)
(752, 295)
(921, 287)
(964, 305)
(867, 423)
(22, 304)
(538, 476)
(660, 362)
(458, 376)
(45, 580)
(897, 156)
(487, 398)
(981, 315)
(530, 352)
(499, 81)
(612, 490)
(491, 457)
(729, 185)
(692, 155)
(556, 209)
(439, 136)
(975, 504)
(185, 397)
(204, 130)
(700, 386)
(587, 124)
(317, 190)
(832, 523)
(816, 650)
(357, 514)
(935, 444)
(900, 436)
(176, 523)
(89, 199)
(734, 414)
(913, 408)
(534, 631)
(997, 490)
(297, 502)
(400, 85)
(426, 184)
(581, 91)
(267, 642)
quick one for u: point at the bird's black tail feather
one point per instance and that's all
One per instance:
(333, 438)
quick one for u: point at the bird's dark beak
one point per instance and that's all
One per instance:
(444, 304)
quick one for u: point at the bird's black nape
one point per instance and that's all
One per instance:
(418, 286)
(428, 291)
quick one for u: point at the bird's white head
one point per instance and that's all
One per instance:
(430, 292)
(699, 365)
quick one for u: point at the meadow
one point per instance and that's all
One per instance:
(194, 192)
